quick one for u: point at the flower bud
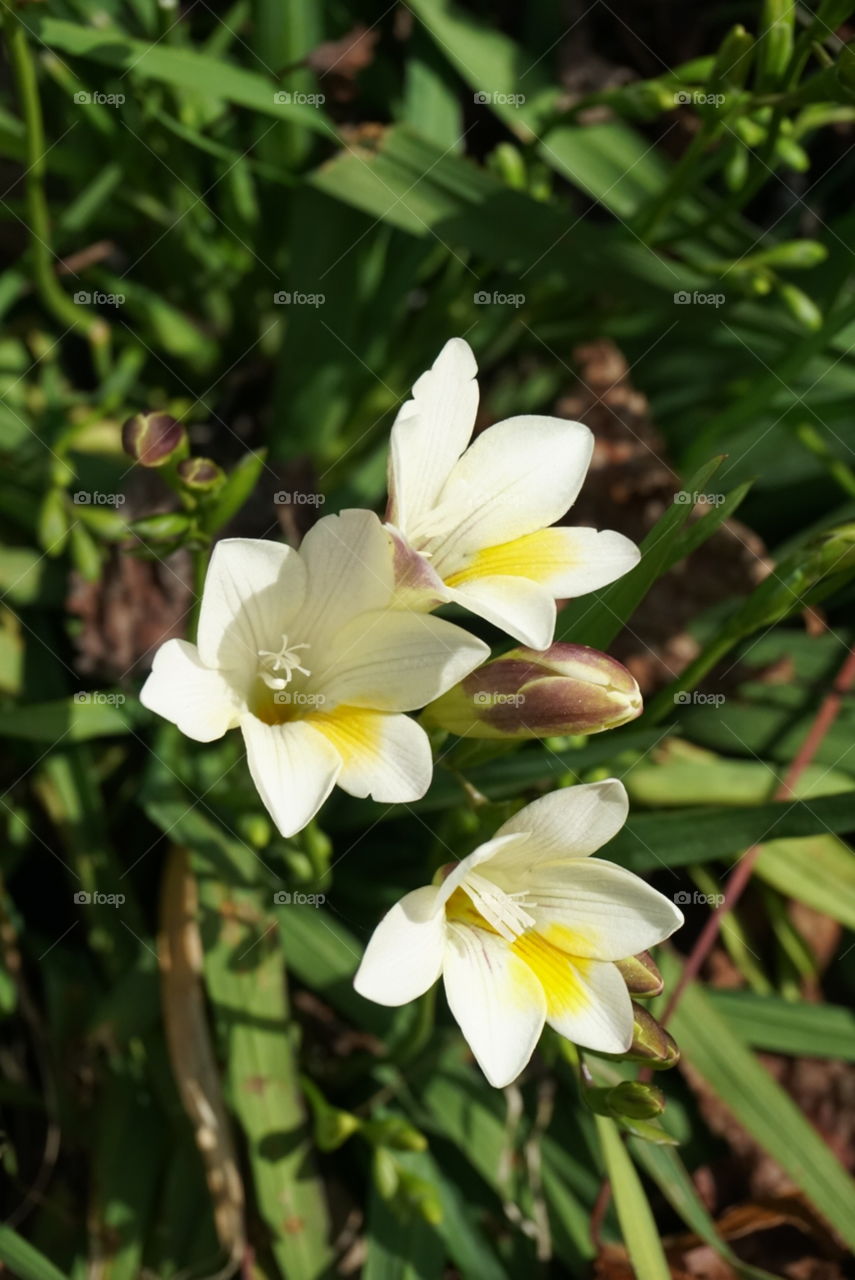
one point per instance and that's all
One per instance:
(200, 474)
(651, 1043)
(636, 1100)
(153, 439)
(566, 689)
(641, 976)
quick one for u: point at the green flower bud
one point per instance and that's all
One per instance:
(164, 528)
(200, 474)
(800, 306)
(394, 1131)
(153, 439)
(636, 1100)
(641, 976)
(566, 689)
(651, 1043)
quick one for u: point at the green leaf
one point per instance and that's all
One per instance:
(819, 871)
(183, 68)
(788, 1026)
(85, 715)
(762, 1106)
(24, 1261)
(638, 1226)
(652, 840)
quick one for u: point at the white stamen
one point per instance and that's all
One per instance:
(285, 660)
(501, 910)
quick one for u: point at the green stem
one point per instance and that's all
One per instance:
(55, 299)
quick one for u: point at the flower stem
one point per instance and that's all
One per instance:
(53, 296)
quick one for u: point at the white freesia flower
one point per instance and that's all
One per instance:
(300, 650)
(472, 522)
(526, 931)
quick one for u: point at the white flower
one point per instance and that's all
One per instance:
(525, 931)
(300, 649)
(474, 528)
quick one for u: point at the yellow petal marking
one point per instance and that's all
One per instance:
(538, 556)
(353, 731)
(548, 953)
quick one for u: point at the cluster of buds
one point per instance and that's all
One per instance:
(527, 693)
(651, 1043)
(159, 440)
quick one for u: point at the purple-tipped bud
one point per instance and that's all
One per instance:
(153, 439)
(200, 474)
(643, 980)
(566, 689)
(651, 1043)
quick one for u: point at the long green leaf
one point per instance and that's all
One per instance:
(761, 1105)
(24, 1261)
(638, 1226)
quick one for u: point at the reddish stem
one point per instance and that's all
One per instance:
(740, 876)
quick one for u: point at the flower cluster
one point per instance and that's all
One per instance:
(318, 654)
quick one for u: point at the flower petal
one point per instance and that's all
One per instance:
(252, 591)
(349, 562)
(417, 585)
(521, 608)
(602, 911)
(294, 768)
(590, 1005)
(384, 756)
(404, 956)
(184, 691)
(430, 433)
(517, 477)
(571, 823)
(393, 660)
(496, 999)
(565, 562)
